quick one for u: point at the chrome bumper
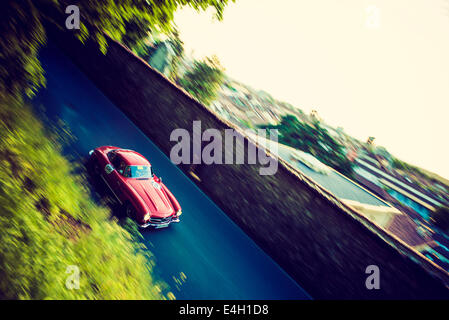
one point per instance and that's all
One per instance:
(160, 224)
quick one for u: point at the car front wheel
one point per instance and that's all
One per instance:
(130, 212)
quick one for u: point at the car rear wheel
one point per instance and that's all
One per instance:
(97, 168)
(93, 165)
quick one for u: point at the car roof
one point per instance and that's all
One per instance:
(132, 157)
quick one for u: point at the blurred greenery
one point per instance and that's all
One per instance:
(22, 31)
(49, 222)
(399, 164)
(414, 170)
(21, 36)
(314, 139)
(204, 80)
(178, 50)
(155, 51)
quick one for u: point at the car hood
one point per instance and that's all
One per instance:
(154, 196)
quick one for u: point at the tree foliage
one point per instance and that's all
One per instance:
(149, 48)
(178, 50)
(314, 139)
(22, 30)
(22, 34)
(204, 80)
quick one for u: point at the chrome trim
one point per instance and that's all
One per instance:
(123, 150)
(165, 224)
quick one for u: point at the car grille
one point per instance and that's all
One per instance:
(160, 220)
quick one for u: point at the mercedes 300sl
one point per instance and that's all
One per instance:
(131, 179)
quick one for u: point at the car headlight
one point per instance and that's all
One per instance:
(179, 212)
(147, 216)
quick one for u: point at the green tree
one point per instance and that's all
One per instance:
(314, 139)
(135, 34)
(21, 36)
(163, 54)
(440, 218)
(178, 49)
(22, 30)
(204, 80)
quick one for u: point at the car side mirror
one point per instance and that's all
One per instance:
(108, 168)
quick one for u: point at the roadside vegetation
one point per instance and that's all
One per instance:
(49, 222)
(204, 80)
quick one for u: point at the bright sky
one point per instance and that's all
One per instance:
(375, 67)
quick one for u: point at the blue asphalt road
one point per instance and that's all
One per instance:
(217, 258)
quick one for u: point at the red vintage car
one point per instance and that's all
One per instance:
(131, 179)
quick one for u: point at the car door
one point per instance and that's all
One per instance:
(113, 177)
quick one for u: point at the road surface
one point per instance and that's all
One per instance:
(218, 259)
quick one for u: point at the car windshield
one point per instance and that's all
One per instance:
(138, 172)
